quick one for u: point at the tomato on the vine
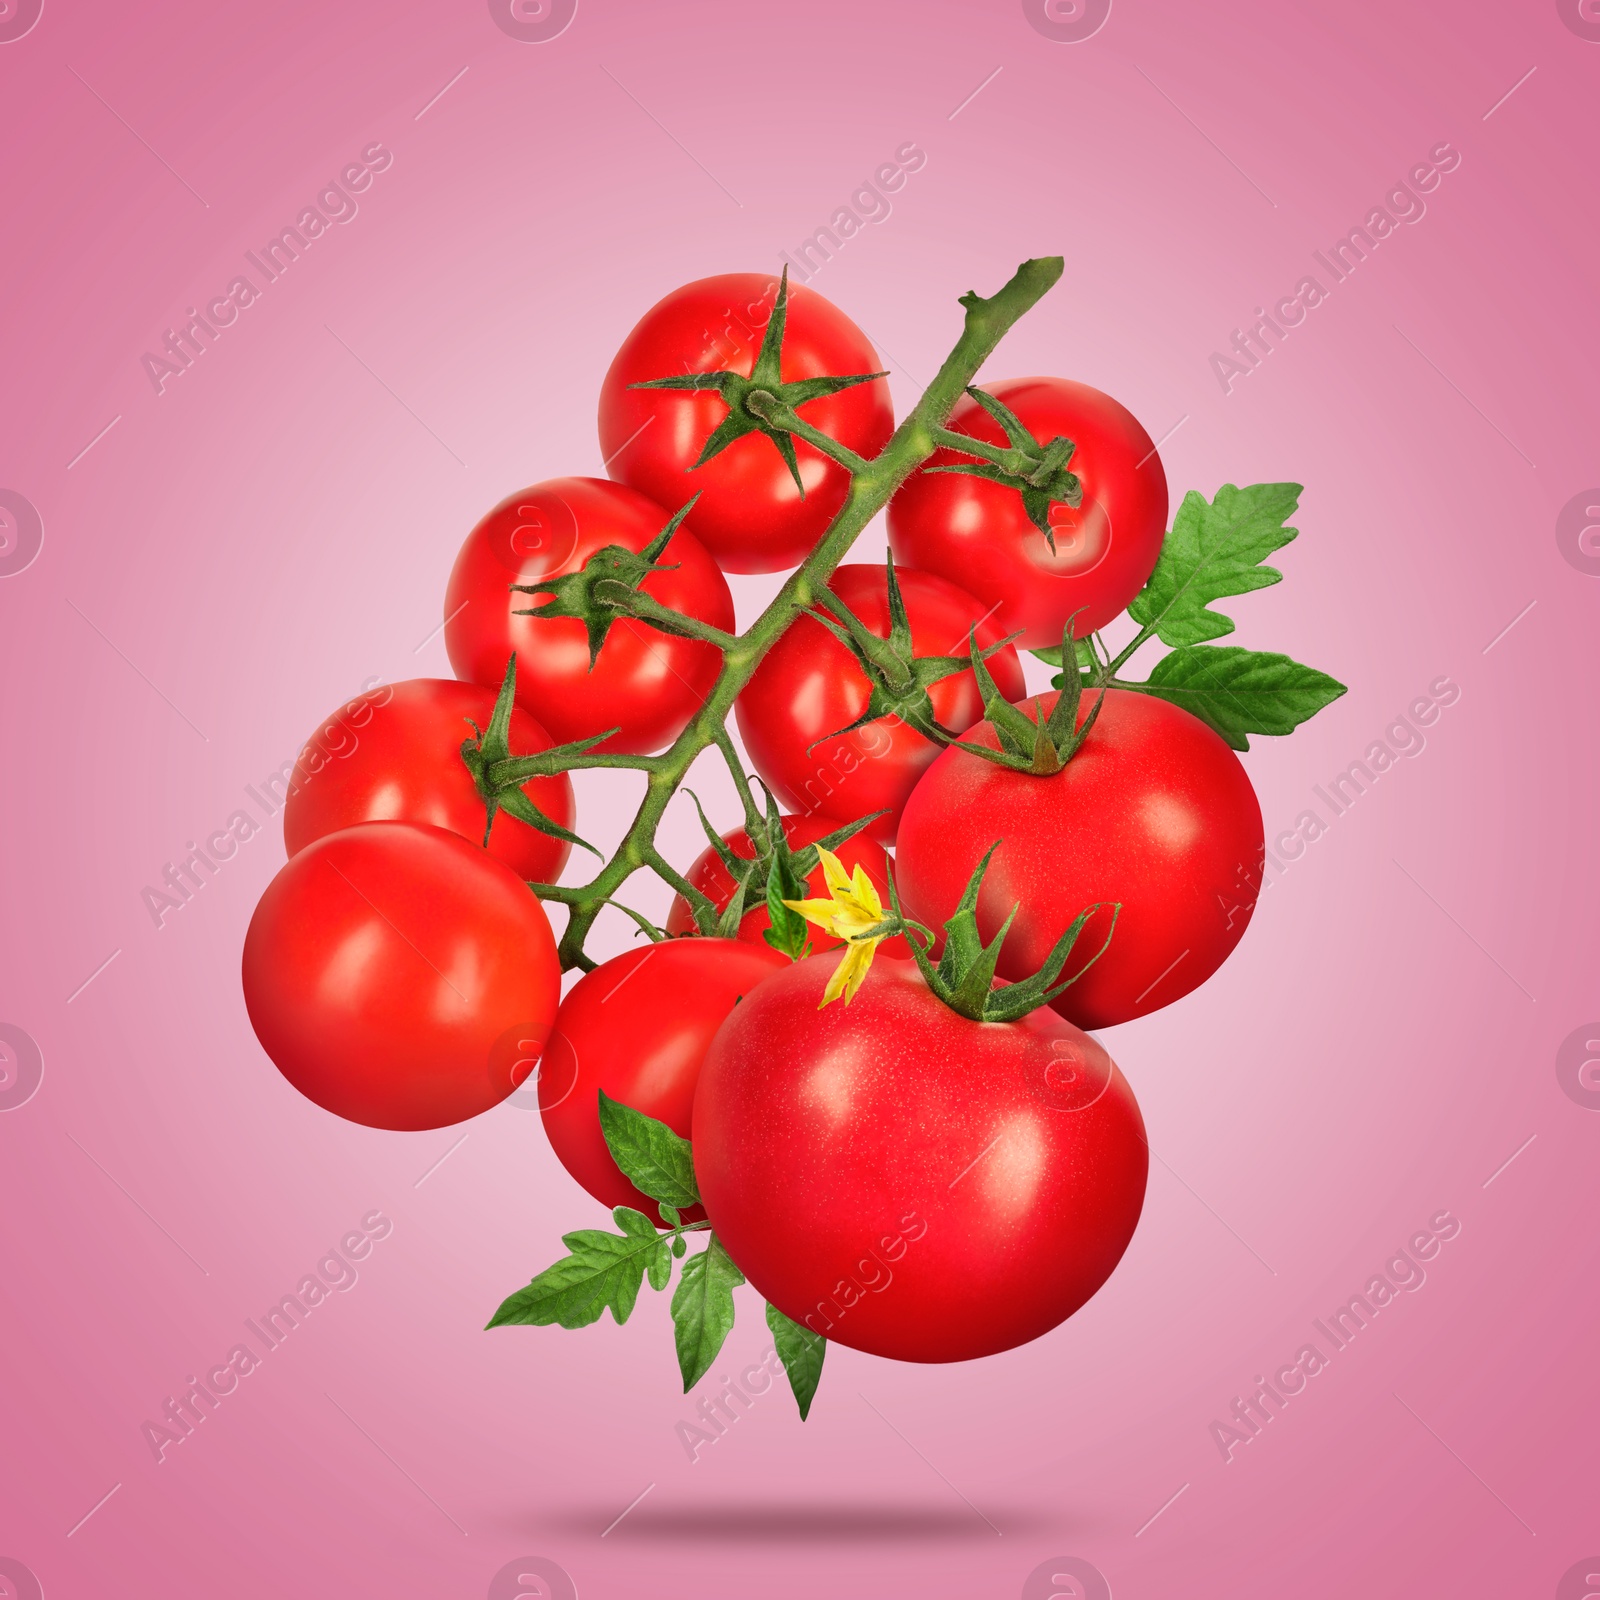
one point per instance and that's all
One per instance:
(977, 532)
(637, 1027)
(394, 756)
(908, 1181)
(809, 686)
(644, 682)
(751, 515)
(1153, 811)
(400, 976)
(712, 879)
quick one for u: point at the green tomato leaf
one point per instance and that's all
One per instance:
(801, 1352)
(1240, 692)
(1214, 549)
(654, 1158)
(702, 1309)
(600, 1271)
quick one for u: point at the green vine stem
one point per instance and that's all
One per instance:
(872, 484)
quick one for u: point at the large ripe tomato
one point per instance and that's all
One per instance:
(711, 878)
(751, 516)
(977, 534)
(808, 685)
(395, 756)
(1153, 811)
(400, 976)
(910, 1182)
(645, 682)
(638, 1027)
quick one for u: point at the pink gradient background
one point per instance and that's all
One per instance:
(278, 526)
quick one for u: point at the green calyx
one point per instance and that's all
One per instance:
(1036, 469)
(1039, 745)
(606, 587)
(763, 403)
(900, 680)
(964, 976)
(773, 875)
(500, 786)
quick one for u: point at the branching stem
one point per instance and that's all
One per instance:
(872, 483)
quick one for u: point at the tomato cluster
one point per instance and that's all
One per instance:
(865, 1077)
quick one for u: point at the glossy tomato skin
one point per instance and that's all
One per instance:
(808, 685)
(750, 515)
(1154, 811)
(976, 532)
(711, 878)
(645, 682)
(399, 976)
(394, 755)
(909, 1182)
(638, 1027)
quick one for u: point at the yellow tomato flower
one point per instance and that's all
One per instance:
(851, 911)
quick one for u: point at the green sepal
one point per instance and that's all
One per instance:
(964, 976)
(898, 679)
(657, 1161)
(801, 1351)
(765, 383)
(703, 1310)
(1036, 470)
(492, 745)
(597, 593)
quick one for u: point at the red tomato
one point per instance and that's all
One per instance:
(711, 878)
(646, 682)
(394, 755)
(907, 1181)
(977, 534)
(400, 976)
(638, 1027)
(751, 516)
(808, 685)
(1153, 811)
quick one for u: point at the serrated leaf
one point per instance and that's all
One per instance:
(600, 1271)
(1240, 692)
(702, 1310)
(801, 1351)
(655, 1160)
(1215, 549)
